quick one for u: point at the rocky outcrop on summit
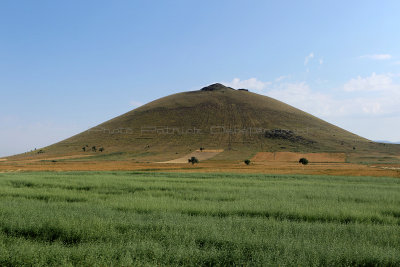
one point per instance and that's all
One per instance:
(215, 87)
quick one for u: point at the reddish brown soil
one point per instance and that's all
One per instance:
(294, 157)
(272, 167)
(200, 155)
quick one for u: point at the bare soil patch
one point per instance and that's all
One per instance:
(200, 155)
(294, 157)
(69, 157)
(49, 157)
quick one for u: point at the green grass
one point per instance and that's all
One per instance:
(135, 218)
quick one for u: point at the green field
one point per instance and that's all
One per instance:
(131, 218)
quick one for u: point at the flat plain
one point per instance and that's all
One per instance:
(145, 218)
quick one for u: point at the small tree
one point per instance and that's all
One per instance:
(193, 160)
(303, 161)
(247, 162)
(84, 149)
(101, 149)
(94, 149)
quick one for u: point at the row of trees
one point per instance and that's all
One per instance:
(94, 149)
(303, 161)
(194, 160)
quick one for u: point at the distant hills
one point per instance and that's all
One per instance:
(386, 142)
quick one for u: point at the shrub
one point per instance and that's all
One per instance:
(101, 149)
(303, 161)
(247, 162)
(193, 160)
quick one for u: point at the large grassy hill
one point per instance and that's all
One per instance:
(215, 117)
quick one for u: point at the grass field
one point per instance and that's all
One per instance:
(135, 218)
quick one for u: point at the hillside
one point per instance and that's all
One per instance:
(240, 122)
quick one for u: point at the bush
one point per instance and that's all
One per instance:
(193, 160)
(303, 161)
(247, 162)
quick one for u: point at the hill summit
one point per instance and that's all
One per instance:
(239, 122)
(215, 87)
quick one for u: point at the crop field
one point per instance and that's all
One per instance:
(137, 218)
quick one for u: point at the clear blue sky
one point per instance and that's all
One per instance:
(66, 66)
